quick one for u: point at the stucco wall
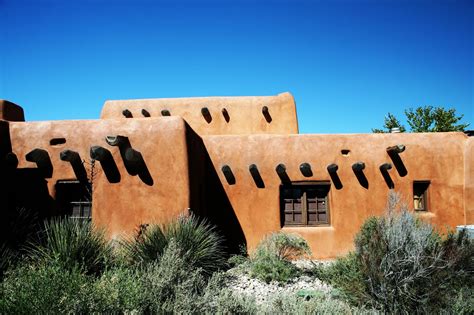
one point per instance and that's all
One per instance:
(469, 181)
(118, 207)
(438, 158)
(244, 113)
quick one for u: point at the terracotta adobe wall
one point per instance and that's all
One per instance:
(438, 158)
(469, 181)
(120, 207)
(244, 114)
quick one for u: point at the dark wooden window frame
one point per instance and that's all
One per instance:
(304, 205)
(421, 185)
(81, 209)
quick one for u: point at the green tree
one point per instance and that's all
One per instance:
(426, 119)
(390, 122)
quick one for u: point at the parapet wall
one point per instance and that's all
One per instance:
(437, 158)
(123, 198)
(216, 115)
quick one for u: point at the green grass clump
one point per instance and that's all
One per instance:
(199, 244)
(73, 244)
(271, 260)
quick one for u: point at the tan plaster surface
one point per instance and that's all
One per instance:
(122, 206)
(438, 158)
(245, 113)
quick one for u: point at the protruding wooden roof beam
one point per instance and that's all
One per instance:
(358, 169)
(266, 114)
(399, 148)
(127, 114)
(332, 170)
(305, 169)
(358, 166)
(206, 114)
(42, 160)
(281, 171)
(229, 176)
(145, 113)
(256, 176)
(107, 162)
(77, 166)
(384, 168)
(225, 113)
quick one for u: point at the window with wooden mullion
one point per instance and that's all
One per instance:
(305, 204)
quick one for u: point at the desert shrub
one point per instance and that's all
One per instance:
(318, 304)
(403, 265)
(462, 302)
(284, 246)
(43, 289)
(171, 284)
(198, 241)
(406, 265)
(218, 298)
(117, 290)
(345, 274)
(73, 244)
(271, 260)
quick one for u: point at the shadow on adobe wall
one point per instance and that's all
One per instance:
(25, 204)
(24, 196)
(208, 198)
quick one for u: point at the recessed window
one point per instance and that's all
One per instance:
(420, 195)
(74, 199)
(345, 152)
(305, 203)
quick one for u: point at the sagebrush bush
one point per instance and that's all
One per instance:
(218, 298)
(73, 244)
(117, 290)
(172, 284)
(271, 260)
(43, 289)
(402, 265)
(198, 241)
(318, 304)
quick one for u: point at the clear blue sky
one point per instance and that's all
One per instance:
(347, 63)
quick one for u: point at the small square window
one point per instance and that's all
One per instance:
(305, 203)
(74, 199)
(420, 195)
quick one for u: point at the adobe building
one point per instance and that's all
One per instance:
(237, 161)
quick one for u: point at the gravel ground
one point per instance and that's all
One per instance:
(263, 292)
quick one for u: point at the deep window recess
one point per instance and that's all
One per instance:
(74, 199)
(305, 203)
(420, 195)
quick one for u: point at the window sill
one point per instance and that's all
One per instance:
(307, 228)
